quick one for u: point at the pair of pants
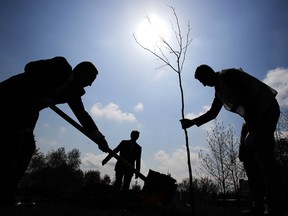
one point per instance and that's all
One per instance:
(123, 176)
(17, 148)
(259, 159)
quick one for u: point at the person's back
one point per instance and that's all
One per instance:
(239, 88)
(130, 151)
(47, 75)
(37, 81)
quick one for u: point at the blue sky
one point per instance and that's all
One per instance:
(130, 92)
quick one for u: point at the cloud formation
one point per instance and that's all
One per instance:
(208, 125)
(139, 107)
(112, 112)
(91, 161)
(278, 79)
(176, 162)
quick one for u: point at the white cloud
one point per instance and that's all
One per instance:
(112, 112)
(193, 115)
(208, 125)
(278, 79)
(139, 107)
(176, 162)
(91, 161)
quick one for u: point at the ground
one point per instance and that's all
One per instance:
(46, 209)
(125, 204)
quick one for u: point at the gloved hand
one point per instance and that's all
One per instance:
(99, 138)
(186, 123)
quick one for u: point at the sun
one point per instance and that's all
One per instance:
(151, 30)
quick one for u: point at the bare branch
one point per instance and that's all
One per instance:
(180, 56)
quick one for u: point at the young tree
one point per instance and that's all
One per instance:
(234, 165)
(165, 51)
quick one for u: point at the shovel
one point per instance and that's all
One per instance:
(154, 182)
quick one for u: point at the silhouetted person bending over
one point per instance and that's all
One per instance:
(23, 96)
(129, 150)
(245, 95)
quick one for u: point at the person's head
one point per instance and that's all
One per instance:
(206, 75)
(85, 73)
(134, 135)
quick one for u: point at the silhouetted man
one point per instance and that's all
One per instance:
(245, 95)
(129, 150)
(43, 83)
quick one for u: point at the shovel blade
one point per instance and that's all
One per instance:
(158, 182)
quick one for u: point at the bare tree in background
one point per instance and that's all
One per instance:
(282, 126)
(235, 166)
(281, 148)
(214, 162)
(164, 50)
(222, 162)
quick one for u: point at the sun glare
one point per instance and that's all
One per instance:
(151, 30)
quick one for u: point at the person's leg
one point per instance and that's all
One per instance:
(265, 153)
(127, 181)
(256, 185)
(254, 174)
(118, 179)
(27, 148)
(271, 175)
(11, 139)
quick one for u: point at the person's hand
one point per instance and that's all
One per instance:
(103, 146)
(186, 123)
(99, 138)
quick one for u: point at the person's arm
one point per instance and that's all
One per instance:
(87, 122)
(109, 156)
(81, 114)
(206, 117)
(210, 114)
(138, 161)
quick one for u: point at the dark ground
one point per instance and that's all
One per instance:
(176, 209)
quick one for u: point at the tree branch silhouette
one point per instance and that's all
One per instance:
(162, 50)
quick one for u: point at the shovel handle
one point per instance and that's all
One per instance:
(81, 129)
